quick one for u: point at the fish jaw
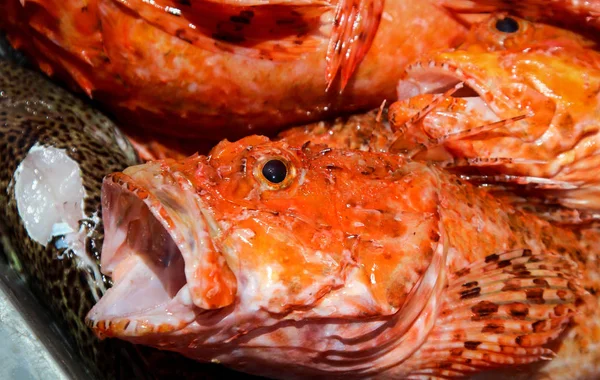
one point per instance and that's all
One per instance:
(161, 278)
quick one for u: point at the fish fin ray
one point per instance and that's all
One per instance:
(355, 25)
(501, 311)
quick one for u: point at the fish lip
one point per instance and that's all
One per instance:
(168, 315)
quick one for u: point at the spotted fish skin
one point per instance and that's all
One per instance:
(35, 112)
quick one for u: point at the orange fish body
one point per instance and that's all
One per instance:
(298, 259)
(213, 69)
(513, 68)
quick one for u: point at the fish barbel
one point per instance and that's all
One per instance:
(295, 260)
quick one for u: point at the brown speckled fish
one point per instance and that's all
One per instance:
(299, 259)
(54, 151)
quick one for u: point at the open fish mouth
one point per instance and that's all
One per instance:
(490, 93)
(436, 77)
(150, 260)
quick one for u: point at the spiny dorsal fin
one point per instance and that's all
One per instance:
(500, 312)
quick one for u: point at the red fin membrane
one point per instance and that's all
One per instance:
(354, 28)
(501, 312)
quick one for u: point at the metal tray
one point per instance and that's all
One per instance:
(31, 344)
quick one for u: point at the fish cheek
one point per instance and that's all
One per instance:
(280, 265)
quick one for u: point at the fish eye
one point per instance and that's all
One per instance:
(507, 25)
(275, 171)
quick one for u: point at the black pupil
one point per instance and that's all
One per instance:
(274, 171)
(507, 25)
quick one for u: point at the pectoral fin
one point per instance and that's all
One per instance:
(354, 28)
(501, 312)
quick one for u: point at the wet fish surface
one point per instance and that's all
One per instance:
(294, 259)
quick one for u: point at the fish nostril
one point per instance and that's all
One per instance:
(507, 25)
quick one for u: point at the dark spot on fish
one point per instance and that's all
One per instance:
(493, 328)
(519, 340)
(240, 20)
(456, 351)
(538, 326)
(470, 293)
(484, 309)
(184, 2)
(463, 272)
(491, 258)
(503, 264)
(445, 365)
(580, 256)
(535, 296)
(527, 252)
(560, 310)
(534, 259)
(471, 345)
(579, 302)
(285, 21)
(518, 310)
(523, 274)
(519, 267)
(228, 37)
(591, 290)
(470, 284)
(541, 282)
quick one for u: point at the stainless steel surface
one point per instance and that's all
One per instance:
(31, 345)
